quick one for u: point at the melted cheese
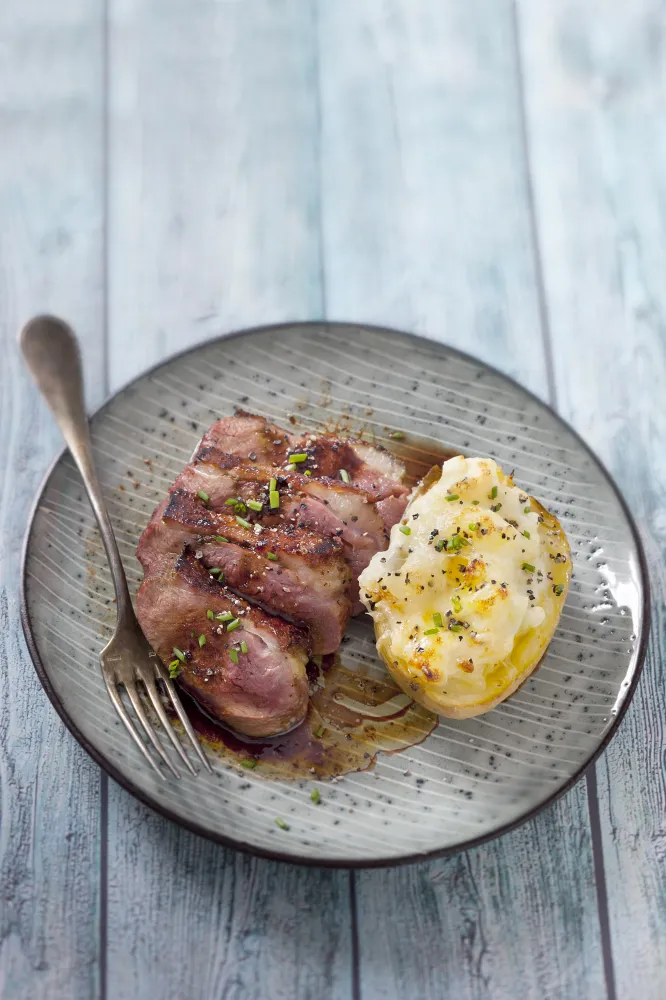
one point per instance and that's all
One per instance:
(467, 582)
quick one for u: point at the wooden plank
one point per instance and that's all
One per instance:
(213, 226)
(596, 110)
(50, 259)
(427, 227)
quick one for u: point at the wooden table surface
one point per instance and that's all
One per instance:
(489, 174)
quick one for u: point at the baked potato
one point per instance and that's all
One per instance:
(468, 595)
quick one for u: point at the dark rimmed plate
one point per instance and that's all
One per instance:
(469, 780)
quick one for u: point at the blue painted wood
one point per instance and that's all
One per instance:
(213, 226)
(597, 94)
(50, 258)
(426, 226)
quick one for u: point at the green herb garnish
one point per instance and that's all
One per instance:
(301, 457)
(315, 795)
(558, 589)
(495, 507)
(457, 604)
(473, 526)
(203, 496)
(437, 619)
(174, 669)
(179, 653)
(233, 655)
(528, 567)
(396, 435)
(224, 616)
(233, 624)
(249, 763)
(493, 493)
(243, 646)
(431, 631)
(319, 732)
(274, 499)
(209, 614)
(451, 496)
(272, 486)
(272, 556)
(406, 530)
(344, 475)
(281, 823)
(201, 640)
(526, 533)
(221, 538)
(243, 523)
(254, 505)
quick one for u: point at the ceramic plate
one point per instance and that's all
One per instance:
(469, 780)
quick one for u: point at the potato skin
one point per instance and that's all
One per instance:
(528, 650)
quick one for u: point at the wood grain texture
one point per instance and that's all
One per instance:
(427, 227)
(213, 225)
(597, 94)
(50, 258)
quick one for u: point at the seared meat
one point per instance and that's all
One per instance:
(244, 521)
(300, 574)
(260, 692)
(329, 506)
(255, 439)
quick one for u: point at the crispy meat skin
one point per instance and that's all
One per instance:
(323, 534)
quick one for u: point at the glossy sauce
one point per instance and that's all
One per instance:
(339, 734)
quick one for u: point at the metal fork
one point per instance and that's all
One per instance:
(51, 353)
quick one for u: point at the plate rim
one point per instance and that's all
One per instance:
(340, 863)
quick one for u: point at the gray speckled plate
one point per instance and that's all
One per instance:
(470, 779)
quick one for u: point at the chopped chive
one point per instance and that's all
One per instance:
(271, 555)
(307, 472)
(174, 669)
(216, 571)
(254, 505)
(476, 502)
(224, 616)
(233, 624)
(281, 823)
(527, 510)
(240, 508)
(406, 530)
(201, 640)
(495, 507)
(473, 526)
(291, 468)
(344, 475)
(440, 544)
(301, 457)
(221, 538)
(243, 646)
(274, 499)
(272, 486)
(203, 496)
(431, 631)
(526, 533)
(231, 502)
(558, 589)
(455, 628)
(437, 618)
(315, 795)
(243, 523)
(528, 567)
(493, 493)
(457, 603)
(179, 653)
(209, 614)
(233, 655)
(319, 732)
(396, 435)
(249, 763)
(451, 496)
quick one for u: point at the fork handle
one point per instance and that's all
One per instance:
(51, 353)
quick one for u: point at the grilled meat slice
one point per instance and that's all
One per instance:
(298, 573)
(255, 439)
(261, 691)
(329, 506)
